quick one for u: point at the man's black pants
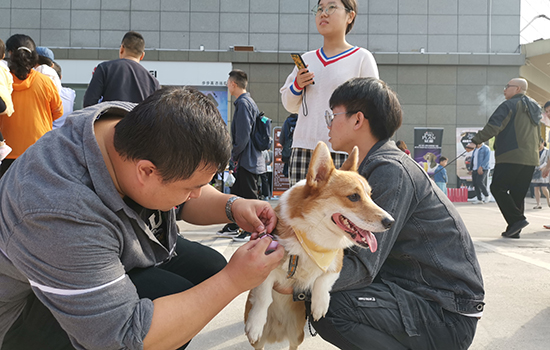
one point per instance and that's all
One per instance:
(246, 184)
(479, 182)
(380, 318)
(36, 328)
(509, 187)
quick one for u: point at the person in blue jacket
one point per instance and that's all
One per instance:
(480, 168)
(440, 174)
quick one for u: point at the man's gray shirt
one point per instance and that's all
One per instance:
(67, 236)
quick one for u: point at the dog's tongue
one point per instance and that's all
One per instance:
(371, 240)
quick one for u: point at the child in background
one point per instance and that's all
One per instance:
(440, 174)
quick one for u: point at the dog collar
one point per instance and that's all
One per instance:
(323, 257)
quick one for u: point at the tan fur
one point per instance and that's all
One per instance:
(431, 159)
(309, 207)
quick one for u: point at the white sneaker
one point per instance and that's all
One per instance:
(4, 151)
(486, 199)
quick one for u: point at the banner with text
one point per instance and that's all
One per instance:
(427, 147)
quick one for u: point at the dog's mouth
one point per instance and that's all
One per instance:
(361, 237)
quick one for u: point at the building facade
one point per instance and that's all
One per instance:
(448, 60)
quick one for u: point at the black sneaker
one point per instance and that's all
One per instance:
(513, 230)
(229, 231)
(512, 236)
(244, 236)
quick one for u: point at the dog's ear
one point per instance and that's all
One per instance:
(320, 166)
(351, 163)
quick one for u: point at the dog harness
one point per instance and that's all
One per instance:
(323, 257)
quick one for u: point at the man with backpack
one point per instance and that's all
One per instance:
(245, 156)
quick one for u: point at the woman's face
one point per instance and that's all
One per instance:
(335, 23)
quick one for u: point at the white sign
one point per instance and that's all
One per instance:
(167, 73)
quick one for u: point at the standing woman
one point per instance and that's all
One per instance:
(307, 91)
(35, 99)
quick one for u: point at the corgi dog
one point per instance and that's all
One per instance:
(317, 219)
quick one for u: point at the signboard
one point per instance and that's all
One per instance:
(167, 73)
(280, 182)
(427, 147)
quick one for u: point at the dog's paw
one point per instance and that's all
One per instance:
(253, 331)
(319, 306)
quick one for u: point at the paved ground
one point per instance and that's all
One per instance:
(516, 275)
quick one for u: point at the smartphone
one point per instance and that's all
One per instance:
(299, 62)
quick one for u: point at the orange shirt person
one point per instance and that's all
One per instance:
(35, 98)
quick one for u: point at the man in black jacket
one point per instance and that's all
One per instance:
(124, 79)
(515, 124)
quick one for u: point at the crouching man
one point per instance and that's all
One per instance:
(90, 257)
(422, 289)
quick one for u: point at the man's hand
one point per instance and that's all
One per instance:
(254, 215)
(480, 171)
(249, 266)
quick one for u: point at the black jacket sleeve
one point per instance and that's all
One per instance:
(95, 88)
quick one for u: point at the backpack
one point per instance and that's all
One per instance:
(261, 133)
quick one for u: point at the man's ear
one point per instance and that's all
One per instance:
(121, 51)
(145, 170)
(360, 120)
(142, 55)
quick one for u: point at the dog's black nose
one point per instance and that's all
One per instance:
(387, 222)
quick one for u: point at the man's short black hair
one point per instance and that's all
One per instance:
(442, 159)
(134, 43)
(375, 99)
(547, 104)
(239, 77)
(178, 129)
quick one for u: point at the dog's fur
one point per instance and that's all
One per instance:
(313, 206)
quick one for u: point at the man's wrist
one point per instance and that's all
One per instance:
(229, 206)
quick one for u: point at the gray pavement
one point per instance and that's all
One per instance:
(516, 273)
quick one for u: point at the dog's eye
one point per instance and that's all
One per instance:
(354, 197)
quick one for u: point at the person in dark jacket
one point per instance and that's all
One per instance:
(124, 79)
(248, 161)
(515, 124)
(286, 138)
(422, 288)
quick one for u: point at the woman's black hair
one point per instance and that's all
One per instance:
(23, 56)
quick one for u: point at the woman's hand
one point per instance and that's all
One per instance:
(304, 78)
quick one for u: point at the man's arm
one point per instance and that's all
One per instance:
(497, 122)
(179, 317)
(95, 88)
(209, 208)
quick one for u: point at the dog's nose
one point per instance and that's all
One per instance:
(387, 222)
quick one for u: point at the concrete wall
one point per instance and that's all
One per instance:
(471, 46)
(383, 26)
